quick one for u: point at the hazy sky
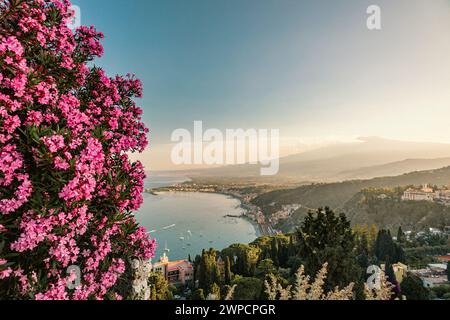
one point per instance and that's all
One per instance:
(309, 68)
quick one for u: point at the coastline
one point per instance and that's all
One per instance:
(259, 229)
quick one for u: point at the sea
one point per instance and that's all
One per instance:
(184, 224)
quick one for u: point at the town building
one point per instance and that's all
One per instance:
(444, 259)
(285, 212)
(175, 272)
(434, 275)
(426, 193)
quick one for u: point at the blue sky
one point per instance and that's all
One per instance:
(309, 68)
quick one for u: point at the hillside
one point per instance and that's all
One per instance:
(392, 213)
(338, 195)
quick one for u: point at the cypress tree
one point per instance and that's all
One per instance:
(386, 248)
(153, 293)
(204, 272)
(227, 270)
(274, 252)
(291, 247)
(327, 238)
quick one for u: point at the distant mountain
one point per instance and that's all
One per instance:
(394, 168)
(368, 158)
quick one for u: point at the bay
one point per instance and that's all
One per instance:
(190, 222)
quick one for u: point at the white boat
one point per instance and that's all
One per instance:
(169, 227)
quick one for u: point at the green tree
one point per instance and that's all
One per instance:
(362, 251)
(153, 293)
(247, 288)
(413, 289)
(198, 295)
(386, 249)
(327, 238)
(274, 251)
(160, 287)
(208, 270)
(227, 270)
(292, 251)
(214, 291)
(265, 267)
(247, 257)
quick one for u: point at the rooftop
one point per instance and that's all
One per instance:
(445, 258)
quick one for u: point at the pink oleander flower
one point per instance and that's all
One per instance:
(5, 273)
(34, 118)
(67, 187)
(54, 143)
(62, 164)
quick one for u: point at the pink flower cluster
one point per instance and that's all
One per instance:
(67, 187)
(13, 177)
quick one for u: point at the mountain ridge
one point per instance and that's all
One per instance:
(340, 162)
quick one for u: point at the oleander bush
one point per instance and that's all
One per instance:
(67, 187)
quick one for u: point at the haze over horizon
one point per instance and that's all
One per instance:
(364, 157)
(309, 68)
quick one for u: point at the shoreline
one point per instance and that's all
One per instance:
(259, 230)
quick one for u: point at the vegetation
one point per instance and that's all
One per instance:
(198, 295)
(324, 245)
(207, 271)
(160, 287)
(421, 256)
(68, 189)
(359, 199)
(394, 213)
(441, 292)
(413, 289)
(386, 249)
(247, 288)
(326, 238)
(304, 290)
